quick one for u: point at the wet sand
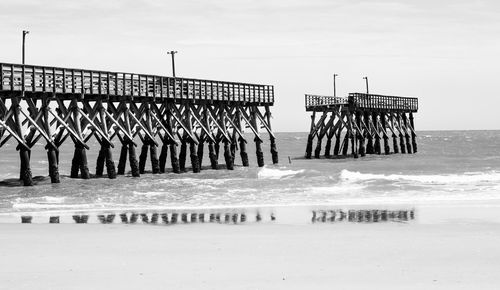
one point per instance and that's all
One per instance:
(446, 247)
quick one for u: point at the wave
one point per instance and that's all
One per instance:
(271, 173)
(471, 177)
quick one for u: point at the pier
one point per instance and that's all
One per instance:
(364, 122)
(172, 115)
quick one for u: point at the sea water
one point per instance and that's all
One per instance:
(449, 166)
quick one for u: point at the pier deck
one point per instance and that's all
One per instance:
(67, 82)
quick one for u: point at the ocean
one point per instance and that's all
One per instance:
(449, 166)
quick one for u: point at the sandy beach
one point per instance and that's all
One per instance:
(432, 252)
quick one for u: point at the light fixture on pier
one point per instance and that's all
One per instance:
(366, 81)
(24, 42)
(173, 61)
(335, 85)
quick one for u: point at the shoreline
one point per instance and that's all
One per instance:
(444, 247)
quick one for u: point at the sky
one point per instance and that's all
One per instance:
(444, 52)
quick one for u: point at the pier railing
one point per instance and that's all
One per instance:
(314, 101)
(360, 101)
(381, 102)
(42, 79)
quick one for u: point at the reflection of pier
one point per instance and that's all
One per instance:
(165, 217)
(362, 215)
(57, 104)
(361, 121)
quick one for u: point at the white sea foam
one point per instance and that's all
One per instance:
(271, 173)
(336, 189)
(53, 199)
(150, 193)
(195, 181)
(51, 206)
(466, 178)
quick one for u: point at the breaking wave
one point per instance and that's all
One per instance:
(466, 178)
(271, 173)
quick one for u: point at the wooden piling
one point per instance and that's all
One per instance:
(99, 169)
(75, 163)
(369, 141)
(110, 164)
(228, 157)
(310, 137)
(361, 137)
(155, 164)
(272, 138)
(163, 156)
(317, 151)
(243, 152)
(212, 155)
(182, 156)
(143, 157)
(336, 149)
(26, 175)
(173, 158)
(259, 153)
(383, 120)
(413, 135)
(195, 162)
(201, 144)
(345, 147)
(377, 147)
(53, 164)
(84, 169)
(394, 135)
(134, 165)
(328, 147)
(123, 159)
(407, 136)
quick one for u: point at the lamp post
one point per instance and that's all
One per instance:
(366, 81)
(173, 61)
(24, 42)
(335, 85)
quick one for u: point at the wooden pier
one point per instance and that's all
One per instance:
(363, 122)
(53, 105)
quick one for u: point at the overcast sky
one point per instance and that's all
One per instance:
(445, 52)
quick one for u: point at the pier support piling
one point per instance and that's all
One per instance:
(212, 155)
(369, 144)
(143, 157)
(317, 151)
(173, 158)
(377, 147)
(26, 175)
(122, 162)
(228, 157)
(259, 153)
(53, 164)
(182, 156)
(155, 163)
(163, 156)
(99, 169)
(195, 162)
(134, 165)
(200, 149)
(413, 135)
(243, 152)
